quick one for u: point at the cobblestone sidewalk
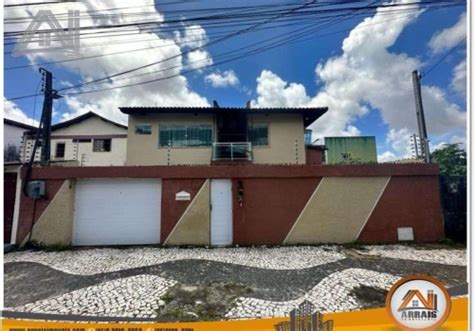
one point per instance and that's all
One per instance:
(259, 282)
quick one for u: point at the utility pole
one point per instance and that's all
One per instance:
(46, 116)
(415, 146)
(420, 117)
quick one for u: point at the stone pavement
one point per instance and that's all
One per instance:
(140, 282)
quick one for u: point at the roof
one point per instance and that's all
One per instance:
(18, 124)
(310, 114)
(84, 117)
(80, 119)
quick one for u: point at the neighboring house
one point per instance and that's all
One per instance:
(89, 139)
(12, 138)
(205, 135)
(350, 150)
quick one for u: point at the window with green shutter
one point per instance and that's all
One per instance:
(258, 134)
(185, 135)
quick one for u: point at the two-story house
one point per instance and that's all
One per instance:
(208, 135)
(223, 176)
(88, 140)
(13, 132)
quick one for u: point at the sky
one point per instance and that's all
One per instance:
(358, 66)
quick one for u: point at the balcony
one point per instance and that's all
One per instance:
(232, 151)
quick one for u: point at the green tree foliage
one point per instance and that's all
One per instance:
(451, 159)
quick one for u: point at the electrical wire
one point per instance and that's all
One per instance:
(434, 66)
(251, 52)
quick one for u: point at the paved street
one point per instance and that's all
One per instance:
(186, 284)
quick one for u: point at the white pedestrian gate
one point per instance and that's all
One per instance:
(221, 212)
(117, 212)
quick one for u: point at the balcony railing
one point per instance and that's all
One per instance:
(232, 151)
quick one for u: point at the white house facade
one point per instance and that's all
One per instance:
(89, 140)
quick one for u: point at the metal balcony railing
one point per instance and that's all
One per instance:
(232, 151)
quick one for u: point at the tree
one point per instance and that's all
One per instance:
(10, 153)
(451, 159)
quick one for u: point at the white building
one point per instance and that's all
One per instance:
(12, 138)
(89, 139)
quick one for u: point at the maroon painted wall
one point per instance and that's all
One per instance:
(314, 156)
(273, 196)
(407, 202)
(172, 210)
(237, 171)
(9, 189)
(270, 206)
(27, 208)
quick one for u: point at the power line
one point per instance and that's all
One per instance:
(239, 56)
(444, 57)
(288, 40)
(188, 51)
(238, 17)
(26, 4)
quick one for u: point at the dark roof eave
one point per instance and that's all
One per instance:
(310, 114)
(18, 124)
(83, 117)
(79, 119)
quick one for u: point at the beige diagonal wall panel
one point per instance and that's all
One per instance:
(338, 210)
(54, 227)
(193, 227)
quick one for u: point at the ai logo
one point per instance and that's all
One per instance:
(65, 39)
(418, 302)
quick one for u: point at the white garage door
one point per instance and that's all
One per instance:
(117, 212)
(221, 212)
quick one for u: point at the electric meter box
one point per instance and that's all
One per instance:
(36, 189)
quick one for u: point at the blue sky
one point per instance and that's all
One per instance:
(366, 84)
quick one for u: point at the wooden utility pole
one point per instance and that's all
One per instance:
(420, 117)
(46, 116)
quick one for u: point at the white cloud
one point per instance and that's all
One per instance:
(459, 82)
(170, 92)
(13, 112)
(222, 79)
(386, 157)
(367, 74)
(272, 91)
(449, 37)
(194, 38)
(400, 142)
(199, 59)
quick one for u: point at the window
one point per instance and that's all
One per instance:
(185, 135)
(81, 140)
(308, 137)
(143, 129)
(60, 149)
(102, 145)
(258, 134)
